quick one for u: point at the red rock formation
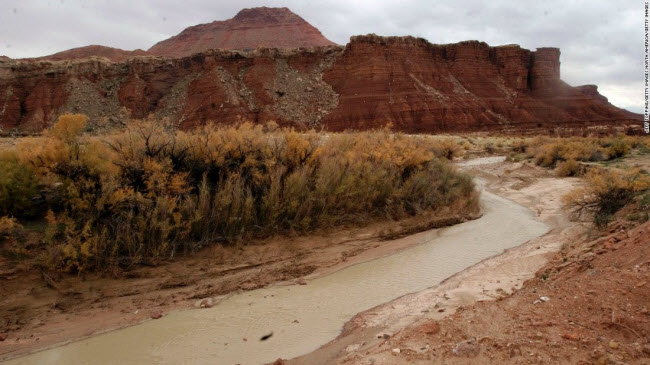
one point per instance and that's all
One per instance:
(413, 84)
(545, 71)
(249, 29)
(113, 54)
(467, 86)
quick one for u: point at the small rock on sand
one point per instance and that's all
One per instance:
(301, 281)
(352, 348)
(156, 315)
(430, 328)
(514, 351)
(3, 337)
(206, 303)
(469, 348)
(571, 336)
(396, 351)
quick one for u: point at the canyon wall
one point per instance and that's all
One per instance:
(372, 81)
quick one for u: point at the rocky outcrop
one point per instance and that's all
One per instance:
(592, 92)
(416, 86)
(421, 87)
(545, 71)
(248, 30)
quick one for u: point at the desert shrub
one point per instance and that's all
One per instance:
(569, 168)
(606, 193)
(19, 190)
(519, 146)
(617, 148)
(644, 201)
(639, 143)
(150, 192)
(489, 148)
(548, 152)
(12, 236)
(9, 228)
(546, 155)
(448, 148)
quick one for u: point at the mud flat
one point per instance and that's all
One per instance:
(304, 317)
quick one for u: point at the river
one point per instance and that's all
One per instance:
(303, 317)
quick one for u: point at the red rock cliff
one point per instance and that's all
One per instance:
(467, 86)
(413, 84)
(249, 29)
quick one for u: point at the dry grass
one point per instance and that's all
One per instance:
(149, 193)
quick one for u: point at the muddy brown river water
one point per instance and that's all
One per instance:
(303, 318)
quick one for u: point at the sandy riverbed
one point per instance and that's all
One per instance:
(361, 245)
(488, 280)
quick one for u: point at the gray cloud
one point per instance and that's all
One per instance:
(601, 41)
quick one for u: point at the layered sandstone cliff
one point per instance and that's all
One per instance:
(413, 84)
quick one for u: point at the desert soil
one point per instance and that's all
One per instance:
(572, 296)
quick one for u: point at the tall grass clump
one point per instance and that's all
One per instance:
(150, 192)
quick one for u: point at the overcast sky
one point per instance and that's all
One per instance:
(601, 41)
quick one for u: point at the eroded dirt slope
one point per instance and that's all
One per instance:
(590, 305)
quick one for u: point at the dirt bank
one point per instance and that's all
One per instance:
(589, 305)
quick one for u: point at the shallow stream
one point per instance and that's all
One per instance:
(303, 318)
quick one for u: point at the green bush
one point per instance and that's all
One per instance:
(19, 191)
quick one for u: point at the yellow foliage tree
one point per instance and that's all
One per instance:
(68, 127)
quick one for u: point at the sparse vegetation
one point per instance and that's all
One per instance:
(149, 192)
(549, 152)
(12, 236)
(606, 193)
(569, 168)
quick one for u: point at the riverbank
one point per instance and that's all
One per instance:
(575, 295)
(41, 310)
(383, 249)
